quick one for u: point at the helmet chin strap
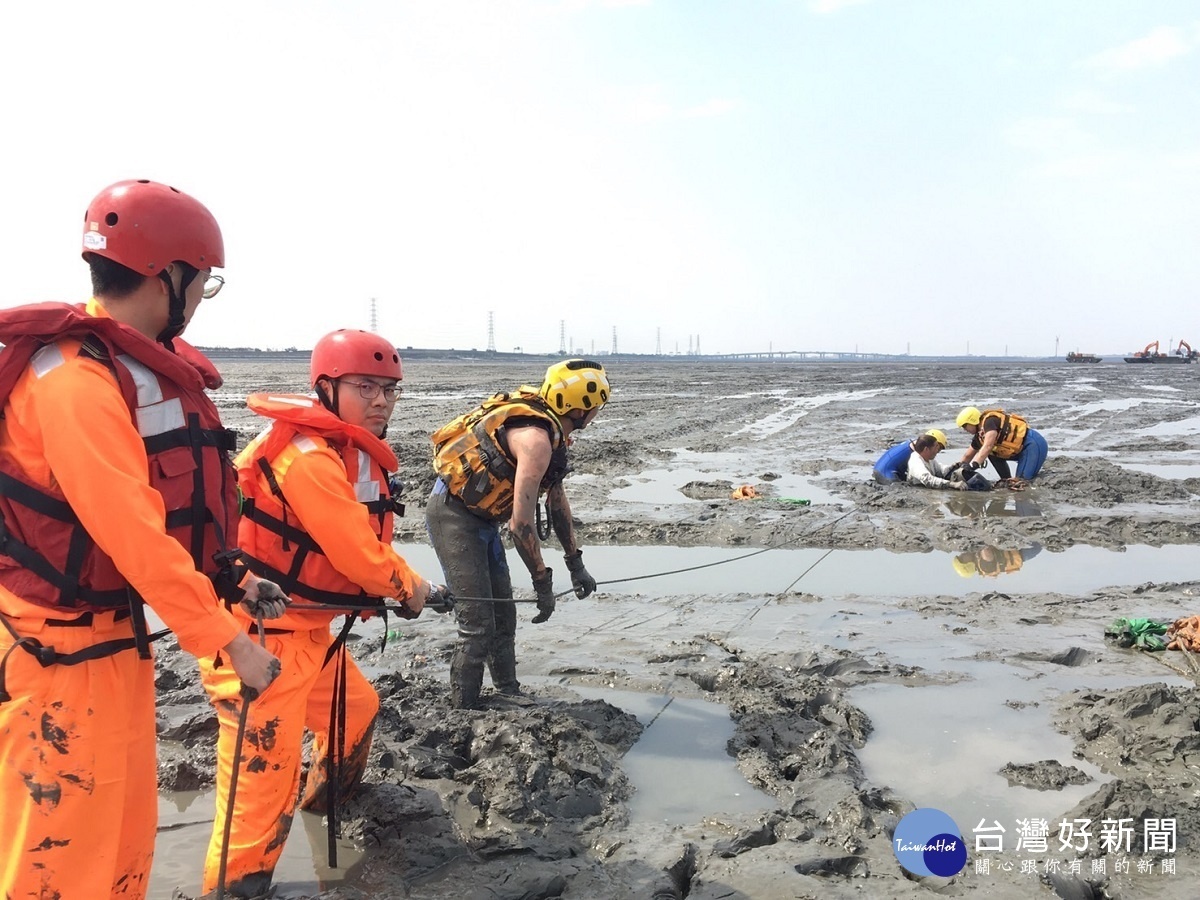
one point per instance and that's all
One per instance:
(175, 304)
(330, 403)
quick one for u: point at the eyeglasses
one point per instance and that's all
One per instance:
(212, 286)
(369, 390)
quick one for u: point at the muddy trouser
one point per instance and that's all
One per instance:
(78, 779)
(272, 752)
(472, 558)
(1032, 455)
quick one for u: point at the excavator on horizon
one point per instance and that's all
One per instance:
(1151, 354)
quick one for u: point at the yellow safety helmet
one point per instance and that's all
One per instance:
(938, 436)
(969, 416)
(575, 384)
(964, 567)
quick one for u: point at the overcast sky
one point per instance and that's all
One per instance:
(881, 175)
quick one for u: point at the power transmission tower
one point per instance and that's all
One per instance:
(562, 337)
(614, 349)
(374, 316)
(658, 342)
(697, 345)
(491, 332)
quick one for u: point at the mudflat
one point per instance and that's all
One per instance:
(870, 651)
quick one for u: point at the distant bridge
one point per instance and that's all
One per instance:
(811, 355)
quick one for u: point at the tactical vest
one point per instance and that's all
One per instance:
(471, 456)
(273, 541)
(1011, 439)
(46, 556)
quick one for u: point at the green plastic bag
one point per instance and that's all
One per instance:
(1137, 632)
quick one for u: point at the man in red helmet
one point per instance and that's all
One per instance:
(116, 489)
(317, 519)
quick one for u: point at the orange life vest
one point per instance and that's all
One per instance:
(273, 541)
(471, 455)
(46, 556)
(1005, 561)
(1012, 433)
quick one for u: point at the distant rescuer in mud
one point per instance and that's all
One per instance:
(493, 465)
(317, 516)
(116, 490)
(1000, 437)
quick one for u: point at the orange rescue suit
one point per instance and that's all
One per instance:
(318, 519)
(97, 420)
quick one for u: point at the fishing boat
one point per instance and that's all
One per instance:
(1082, 358)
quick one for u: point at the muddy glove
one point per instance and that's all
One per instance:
(440, 599)
(544, 586)
(581, 580)
(970, 467)
(264, 599)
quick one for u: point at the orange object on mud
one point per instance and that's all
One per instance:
(1184, 634)
(745, 492)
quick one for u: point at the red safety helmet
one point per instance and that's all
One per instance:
(146, 226)
(349, 351)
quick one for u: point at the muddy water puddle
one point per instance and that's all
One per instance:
(720, 570)
(185, 821)
(680, 767)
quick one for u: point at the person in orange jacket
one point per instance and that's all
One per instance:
(317, 519)
(116, 489)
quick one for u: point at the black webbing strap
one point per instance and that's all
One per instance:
(47, 656)
(292, 586)
(335, 748)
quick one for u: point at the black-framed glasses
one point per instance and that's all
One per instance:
(212, 286)
(369, 390)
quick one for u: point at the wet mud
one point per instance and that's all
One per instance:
(532, 801)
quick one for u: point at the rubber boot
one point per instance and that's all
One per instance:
(466, 679)
(502, 664)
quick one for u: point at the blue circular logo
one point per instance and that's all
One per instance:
(928, 842)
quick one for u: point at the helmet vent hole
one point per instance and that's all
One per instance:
(587, 401)
(111, 219)
(591, 386)
(378, 356)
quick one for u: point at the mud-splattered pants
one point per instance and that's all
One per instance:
(269, 773)
(472, 558)
(78, 778)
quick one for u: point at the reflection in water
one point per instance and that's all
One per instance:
(981, 506)
(991, 562)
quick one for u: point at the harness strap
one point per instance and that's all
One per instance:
(71, 593)
(335, 745)
(47, 656)
(293, 586)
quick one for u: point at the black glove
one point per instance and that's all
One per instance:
(544, 586)
(969, 467)
(440, 599)
(403, 610)
(581, 580)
